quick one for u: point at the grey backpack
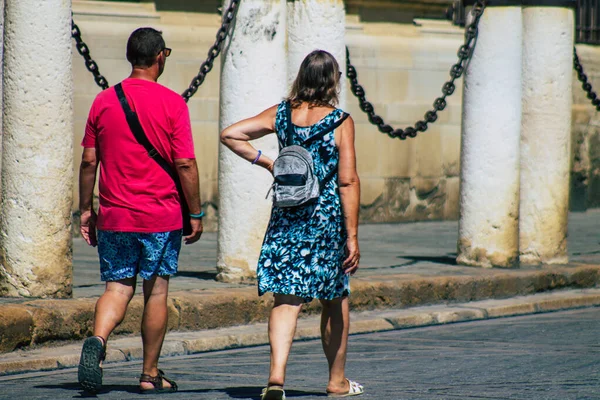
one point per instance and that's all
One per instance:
(295, 181)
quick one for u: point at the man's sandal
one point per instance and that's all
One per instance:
(355, 390)
(157, 382)
(89, 372)
(273, 392)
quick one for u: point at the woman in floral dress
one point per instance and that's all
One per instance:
(309, 251)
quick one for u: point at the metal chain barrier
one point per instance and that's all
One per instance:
(84, 50)
(584, 81)
(464, 54)
(205, 67)
(215, 50)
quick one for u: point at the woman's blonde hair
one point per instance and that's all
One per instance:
(317, 82)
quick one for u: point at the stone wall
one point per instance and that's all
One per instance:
(401, 66)
(585, 170)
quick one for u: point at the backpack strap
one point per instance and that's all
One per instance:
(326, 131)
(290, 128)
(327, 178)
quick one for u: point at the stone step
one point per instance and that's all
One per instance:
(40, 322)
(129, 348)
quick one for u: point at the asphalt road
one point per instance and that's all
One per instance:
(545, 356)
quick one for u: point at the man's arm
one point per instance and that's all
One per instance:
(187, 169)
(87, 181)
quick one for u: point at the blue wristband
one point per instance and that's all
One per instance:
(197, 216)
(257, 157)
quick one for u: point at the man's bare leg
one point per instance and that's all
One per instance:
(154, 325)
(112, 306)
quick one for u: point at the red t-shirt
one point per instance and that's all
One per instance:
(136, 194)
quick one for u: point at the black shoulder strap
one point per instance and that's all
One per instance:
(326, 131)
(290, 128)
(136, 127)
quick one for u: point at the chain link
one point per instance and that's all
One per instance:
(205, 67)
(464, 54)
(584, 81)
(214, 51)
(84, 50)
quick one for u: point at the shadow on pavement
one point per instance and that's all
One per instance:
(74, 386)
(253, 392)
(449, 259)
(210, 276)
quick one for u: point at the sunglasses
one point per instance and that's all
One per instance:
(167, 51)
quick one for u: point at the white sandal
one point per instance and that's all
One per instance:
(273, 392)
(356, 389)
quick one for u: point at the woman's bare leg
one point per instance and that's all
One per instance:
(335, 325)
(282, 327)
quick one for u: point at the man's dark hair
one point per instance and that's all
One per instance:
(143, 46)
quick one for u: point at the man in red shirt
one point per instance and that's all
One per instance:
(139, 222)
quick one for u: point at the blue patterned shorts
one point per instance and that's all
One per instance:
(126, 254)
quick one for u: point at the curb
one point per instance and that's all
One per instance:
(36, 322)
(187, 343)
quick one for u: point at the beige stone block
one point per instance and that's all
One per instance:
(425, 85)
(450, 135)
(458, 315)
(371, 325)
(392, 86)
(210, 344)
(307, 332)
(173, 348)
(567, 302)
(429, 153)
(397, 157)
(424, 187)
(81, 108)
(581, 114)
(254, 339)
(134, 352)
(367, 150)
(408, 113)
(15, 366)
(206, 143)
(507, 310)
(79, 130)
(411, 321)
(181, 73)
(452, 200)
(204, 109)
(16, 325)
(371, 189)
(61, 319)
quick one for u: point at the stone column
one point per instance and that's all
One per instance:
(37, 166)
(1, 73)
(489, 190)
(317, 25)
(253, 78)
(548, 36)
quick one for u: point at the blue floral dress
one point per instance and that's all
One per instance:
(304, 246)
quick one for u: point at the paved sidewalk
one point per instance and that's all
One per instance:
(405, 250)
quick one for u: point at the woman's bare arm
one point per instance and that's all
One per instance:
(237, 136)
(349, 184)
